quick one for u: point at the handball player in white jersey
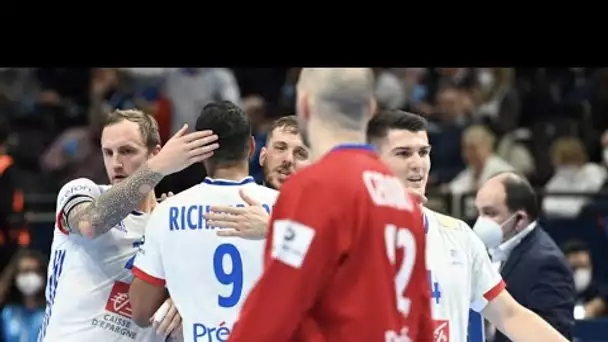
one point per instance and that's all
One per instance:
(461, 274)
(284, 154)
(208, 276)
(99, 229)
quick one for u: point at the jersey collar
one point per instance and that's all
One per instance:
(225, 182)
(354, 146)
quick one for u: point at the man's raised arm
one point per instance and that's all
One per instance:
(94, 217)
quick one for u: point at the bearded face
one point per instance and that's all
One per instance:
(283, 155)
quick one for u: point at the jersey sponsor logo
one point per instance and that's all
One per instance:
(116, 324)
(51, 289)
(231, 276)
(192, 216)
(204, 333)
(441, 330)
(118, 301)
(401, 336)
(74, 189)
(386, 190)
(291, 241)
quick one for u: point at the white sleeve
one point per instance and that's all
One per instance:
(486, 282)
(148, 264)
(73, 193)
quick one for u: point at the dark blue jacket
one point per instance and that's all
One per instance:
(539, 278)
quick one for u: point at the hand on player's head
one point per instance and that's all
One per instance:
(250, 222)
(184, 149)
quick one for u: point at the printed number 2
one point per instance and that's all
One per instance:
(234, 277)
(401, 238)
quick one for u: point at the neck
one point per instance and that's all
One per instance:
(30, 302)
(326, 136)
(232, 173)
(148, 204)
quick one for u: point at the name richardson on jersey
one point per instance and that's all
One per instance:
(116, 324)
(191, 217)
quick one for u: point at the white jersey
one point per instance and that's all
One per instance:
(207, 276)
(88, 279)
(460, 273)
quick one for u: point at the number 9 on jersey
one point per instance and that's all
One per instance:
(231, 276)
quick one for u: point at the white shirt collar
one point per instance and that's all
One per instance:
(502, 252)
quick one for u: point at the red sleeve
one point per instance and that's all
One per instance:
(301, 254)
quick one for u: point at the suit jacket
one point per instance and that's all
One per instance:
(539, 278)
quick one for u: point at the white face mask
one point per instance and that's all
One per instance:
(582, 279)
(29, 283)
(488, 231)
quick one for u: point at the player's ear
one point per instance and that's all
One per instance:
(303, 106)
(522, 220)
(251, 151)
(155, 150)
(263, 153)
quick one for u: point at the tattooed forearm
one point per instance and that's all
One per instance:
(111, 207)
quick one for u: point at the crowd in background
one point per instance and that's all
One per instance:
(548, 124)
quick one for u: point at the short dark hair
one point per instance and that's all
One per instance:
(520, 195)
(574, 246)
(288, 123)
(385, 120)
(233, 128)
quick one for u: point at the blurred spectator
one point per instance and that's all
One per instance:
(65, 91)
(498, 99)
(439, 78)
(76, 153)
(482, 162)
(255, 107)
(266, 83)
(11, 201)
(590, 302)
(287, 97)
(573, 173)
(190, 89)
(445, 135)
(515, 153)
(22, 293)
(389, 92)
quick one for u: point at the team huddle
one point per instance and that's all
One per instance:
(335, 246)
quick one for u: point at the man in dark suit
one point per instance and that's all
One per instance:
(533, 266)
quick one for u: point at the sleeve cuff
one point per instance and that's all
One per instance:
(147, 278)
(495, 291)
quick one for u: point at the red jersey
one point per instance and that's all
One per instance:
(344, 259)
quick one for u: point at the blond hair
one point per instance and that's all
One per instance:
(148, 126)
(479, 133)
(568, 151)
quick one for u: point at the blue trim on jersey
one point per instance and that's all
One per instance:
(426, 224)
(354, 146)
(223, 182)
(136, 213)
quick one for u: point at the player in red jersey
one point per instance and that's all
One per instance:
(344, 257)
